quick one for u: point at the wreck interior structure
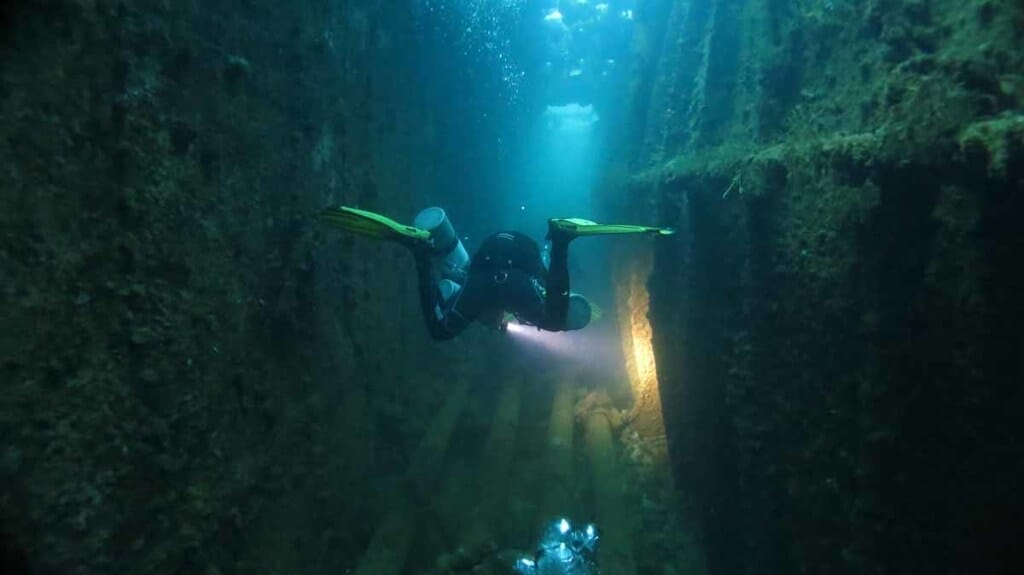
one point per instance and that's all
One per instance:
(820, 372)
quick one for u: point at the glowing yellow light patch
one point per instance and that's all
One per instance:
(638, 351)
(643, 368)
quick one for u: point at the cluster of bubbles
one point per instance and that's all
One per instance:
(569, 39)
(563, 550)
(584, 36)
(480, 31)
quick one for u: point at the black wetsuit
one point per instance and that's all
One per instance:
(506, 274)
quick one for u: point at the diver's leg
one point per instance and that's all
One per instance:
(430, 298)
(557, 304)
(446, 319)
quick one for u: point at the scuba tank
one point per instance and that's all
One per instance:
(448, 256)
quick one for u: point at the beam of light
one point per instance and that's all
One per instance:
(593, 348)
(552, 342)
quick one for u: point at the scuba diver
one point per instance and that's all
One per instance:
(507, 274)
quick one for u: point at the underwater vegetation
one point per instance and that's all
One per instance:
(835, 328)
(173, 372)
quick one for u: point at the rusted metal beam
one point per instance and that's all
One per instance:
(615, 552)
(390, 545)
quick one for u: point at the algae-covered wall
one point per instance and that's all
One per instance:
(837, 326)
(195, 377)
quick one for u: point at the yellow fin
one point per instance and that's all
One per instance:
(371, 224)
